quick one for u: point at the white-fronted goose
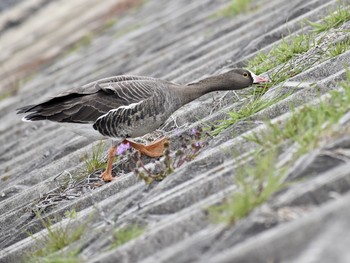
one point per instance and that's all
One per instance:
(124, 107)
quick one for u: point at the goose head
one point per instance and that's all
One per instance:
(240, 78)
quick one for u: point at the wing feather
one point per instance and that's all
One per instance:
(87, 103)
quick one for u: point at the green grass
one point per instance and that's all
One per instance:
(258, 180)
(95, 161)
(307, 125)
(82, 42)
(5, 95)
(125, 234)
(57, 238)
(14, 85)
(333, 20)
(255, 182)
(109, 24)
(247, 110)
(236, 7)
(338, 48)
(299, 44)
(281, 53)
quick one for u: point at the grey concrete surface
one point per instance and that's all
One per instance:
(180, 41)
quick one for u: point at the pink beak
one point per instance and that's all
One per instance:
(258, 79)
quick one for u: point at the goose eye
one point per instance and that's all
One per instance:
(245, 74)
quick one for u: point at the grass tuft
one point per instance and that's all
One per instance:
(338, 48)
(236, 7)
(109, 24)
(333, 20)
(281, 53)
(95, 161)
(246, 111)
(255, 182)
(81, 43)
(56, 239)
(258, 180)
(307, 125)
(125, 234)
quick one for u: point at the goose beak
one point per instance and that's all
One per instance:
(259, 79)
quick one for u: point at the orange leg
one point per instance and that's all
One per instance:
(154, 149)
(107, 174)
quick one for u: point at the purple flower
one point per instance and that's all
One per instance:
(197, 144)
(193, 131)
(122, 148)
(177, 132)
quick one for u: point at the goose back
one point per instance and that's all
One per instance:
(121, 106)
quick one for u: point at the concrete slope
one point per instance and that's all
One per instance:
(42, 165)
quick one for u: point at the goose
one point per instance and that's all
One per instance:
(125, 107)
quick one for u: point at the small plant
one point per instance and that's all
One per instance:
(338, 48)
(307, 125)
(260, 63)
(13, 83)
(191, 144)
(288, 49)
(109, 23)
(236, 7)
(56, 239)
(125, 234)
(281, 53)
(246, 111)
(95, 162)
(256, 182)
(81, 43)
(333, 20)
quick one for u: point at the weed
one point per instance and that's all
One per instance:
(5, 95)
(333, 20)
(125, 234)
(191, 144)
(56, 239)
(95, 162)
(246, 111)
(258, 180)
(308, 124)
(236, 7)
(109, 23)
(83, 42)
(338, 48)
(281, 53)
(255, 182)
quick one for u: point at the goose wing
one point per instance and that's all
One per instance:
(87, 103)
